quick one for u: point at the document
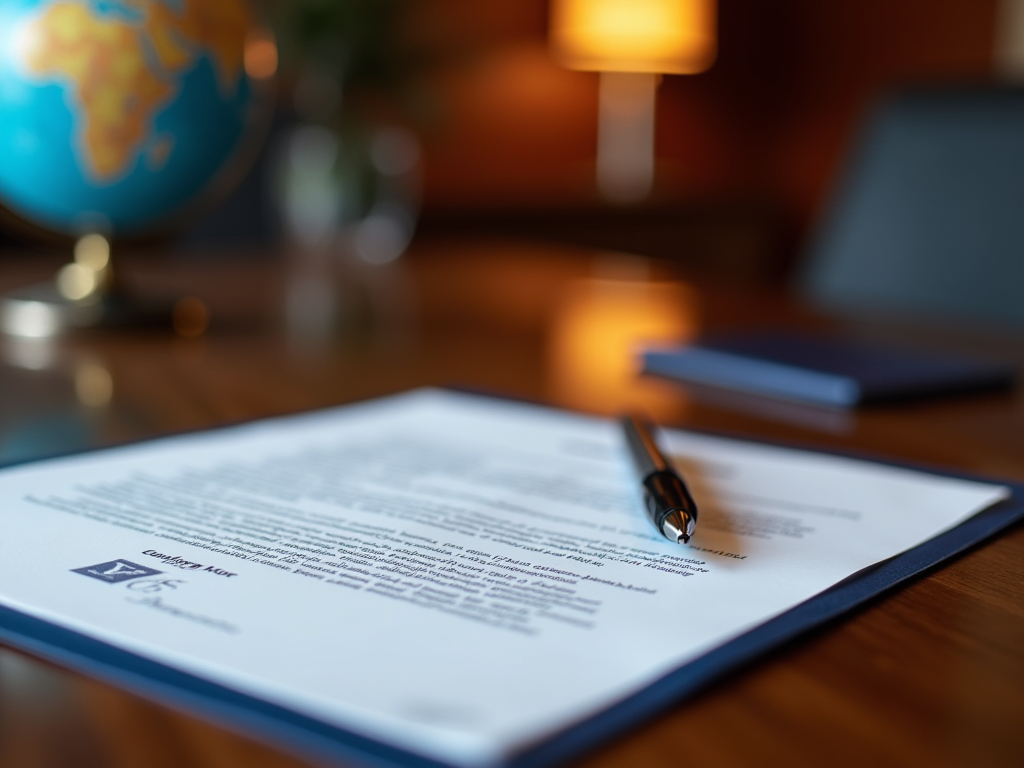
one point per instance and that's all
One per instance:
(458, 576)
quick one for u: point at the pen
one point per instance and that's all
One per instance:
(669, 504)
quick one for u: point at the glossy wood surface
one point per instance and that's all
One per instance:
(931, 675)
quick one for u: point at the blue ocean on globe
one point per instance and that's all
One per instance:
(121, 115)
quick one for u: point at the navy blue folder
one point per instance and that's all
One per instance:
(822, 370)
(279, 725)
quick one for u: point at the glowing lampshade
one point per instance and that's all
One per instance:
(665, 36)
(631, 42)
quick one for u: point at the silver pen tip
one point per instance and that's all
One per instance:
(678, 526)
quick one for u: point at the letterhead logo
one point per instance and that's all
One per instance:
(115, 571)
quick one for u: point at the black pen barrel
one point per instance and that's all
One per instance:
(667, 500)
(646, 455)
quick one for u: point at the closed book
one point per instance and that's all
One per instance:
(823, 370)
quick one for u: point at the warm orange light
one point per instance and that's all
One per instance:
(260, 55)
(670, 36)
(596, 336)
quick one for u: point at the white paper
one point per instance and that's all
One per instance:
(453, 575)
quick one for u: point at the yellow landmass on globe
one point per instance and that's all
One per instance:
(121, 70)
(216, 27)
(105, 62)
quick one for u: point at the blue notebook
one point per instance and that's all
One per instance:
(269, 721)
(827, 371)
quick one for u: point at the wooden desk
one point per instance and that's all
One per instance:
(933, 675)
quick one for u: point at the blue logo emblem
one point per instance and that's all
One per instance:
(115, 571)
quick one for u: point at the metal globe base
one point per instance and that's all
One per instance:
(85, 295)
(42, 311)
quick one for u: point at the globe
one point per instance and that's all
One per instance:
(122, 115)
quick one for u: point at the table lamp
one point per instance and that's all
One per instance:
(631, 43)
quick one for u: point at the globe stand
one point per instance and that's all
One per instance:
(40, 310)
(84, 295)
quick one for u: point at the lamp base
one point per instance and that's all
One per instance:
(625, 135)
(40, 311)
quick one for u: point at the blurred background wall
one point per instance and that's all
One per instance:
(770, 119)
(745, 151)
